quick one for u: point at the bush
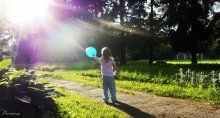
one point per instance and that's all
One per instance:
(23, 96)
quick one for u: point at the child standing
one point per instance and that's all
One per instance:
(108, 70)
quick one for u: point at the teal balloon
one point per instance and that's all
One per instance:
(91, 52)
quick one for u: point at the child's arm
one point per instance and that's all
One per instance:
(115, 69)
(97, 59)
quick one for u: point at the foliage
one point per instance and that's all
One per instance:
(198, 79)
(22, 94)
(48, 67)
(5, 64)
(164, 52)
(215, 24)
(7, 41)
(86, 10)
(213, 51)
(188, 24)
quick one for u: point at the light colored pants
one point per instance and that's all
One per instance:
(108, 83)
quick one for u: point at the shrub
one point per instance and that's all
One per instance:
(22, 95)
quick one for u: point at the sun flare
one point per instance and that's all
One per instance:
(20, 11)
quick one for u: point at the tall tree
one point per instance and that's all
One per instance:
(116, 10)
(7, 34)
(214, 26)
(188, 21)
(86, 10)
(145, 18)
(123, 46)
(151, 32)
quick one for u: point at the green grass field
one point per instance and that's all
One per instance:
(74, 106)
(161, 79)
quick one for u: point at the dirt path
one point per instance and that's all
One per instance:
(144, 105)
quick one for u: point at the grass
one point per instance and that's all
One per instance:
(75, 106)
(204, 61)
(171, 67)
(210, 95)
(71, 105)
(159, 79)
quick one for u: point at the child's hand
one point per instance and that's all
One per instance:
(116, 75)
(115, 72)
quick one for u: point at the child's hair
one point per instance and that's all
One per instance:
(106, 53)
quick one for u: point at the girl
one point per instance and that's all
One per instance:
(108, 70)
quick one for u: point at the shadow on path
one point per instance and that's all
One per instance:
(130, 110)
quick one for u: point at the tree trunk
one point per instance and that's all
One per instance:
(123, 55)
(151, 31)
(194, 57)
(151, 54)
(123, 45)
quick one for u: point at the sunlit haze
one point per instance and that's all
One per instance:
(19, 11)
(217, 7)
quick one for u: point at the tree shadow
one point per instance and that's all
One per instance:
(167, 68)
(130, 110)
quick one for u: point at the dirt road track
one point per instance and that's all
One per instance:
(145, 105)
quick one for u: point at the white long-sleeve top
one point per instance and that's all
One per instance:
(106, 67)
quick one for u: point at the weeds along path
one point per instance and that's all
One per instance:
(145, 105)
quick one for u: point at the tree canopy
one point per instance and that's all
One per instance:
(135, 26)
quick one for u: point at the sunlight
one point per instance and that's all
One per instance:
(21, 11)
(122, 28)
(217, 7)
